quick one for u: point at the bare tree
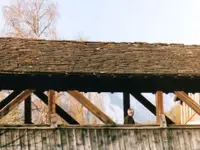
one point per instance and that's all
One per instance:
(31, 19)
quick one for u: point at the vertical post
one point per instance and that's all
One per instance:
(126, 101)
(27, 111)
(159, 106)
(52, 107)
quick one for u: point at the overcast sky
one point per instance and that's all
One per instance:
(171, 21)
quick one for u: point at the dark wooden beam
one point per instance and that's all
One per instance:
(149, 105)
(126, 102)
(15, 102)
(9, 98)
(159, 106)
(91, 107)
(62, 113)
(27, 111)
(52, 106)
(189, 101)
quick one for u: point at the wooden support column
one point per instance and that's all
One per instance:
(62, 113)
(190, 102)
(15, 102)
(27, 111)
(149, 105)
(91, 107)
(126, 102)
(52, 107)
(159, 106)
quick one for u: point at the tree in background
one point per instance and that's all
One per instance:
(36, 19)
(31, 19)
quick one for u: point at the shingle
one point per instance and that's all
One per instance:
(28, 55)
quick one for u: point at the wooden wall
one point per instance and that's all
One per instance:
(110, 138)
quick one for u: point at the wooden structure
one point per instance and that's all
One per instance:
(34, 66)
(101, 138)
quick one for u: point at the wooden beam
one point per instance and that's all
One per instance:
(9, 98)
(62, 113)
(189, 101)
(27, 111)
(159, 106)
(126, 102)
(52, 107)
(91, 107)
(15, 102)
(149, 105)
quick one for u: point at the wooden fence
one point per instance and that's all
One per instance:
(100, 138)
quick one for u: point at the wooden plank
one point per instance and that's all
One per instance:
(57, 139)
(126, 102)
(9, 98)
(115, 139)
(93, 139)
(62, 113)
(64, 138)
(159, 106)
(87, 139)
(38, 139)
(52, 107)
(189, 101)
(91, 107)
(121, 141)
(72, 139)
(27, 111)
(79, 139)
(15, 102)
(149, 105)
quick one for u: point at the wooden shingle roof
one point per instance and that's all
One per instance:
(28, 55)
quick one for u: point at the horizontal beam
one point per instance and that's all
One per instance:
(62, 113)
(149, 105)
(106, 82)
(91, 107)
(189, 101)
(15, 102)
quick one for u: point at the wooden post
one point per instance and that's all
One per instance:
(27, 111)
(52, 108)
(126, 102)
(159, 106)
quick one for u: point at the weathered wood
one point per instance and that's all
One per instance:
(91, 107)
(15, 102)
(149, 105)
(27, 111)
(62, 113)
(190, 102)
(9, 98)
(159, 106)
(52, 107)
(126, 102)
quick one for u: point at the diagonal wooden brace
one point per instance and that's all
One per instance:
(91, 107)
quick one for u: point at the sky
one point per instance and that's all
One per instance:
(168, 21)
(153, 21)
